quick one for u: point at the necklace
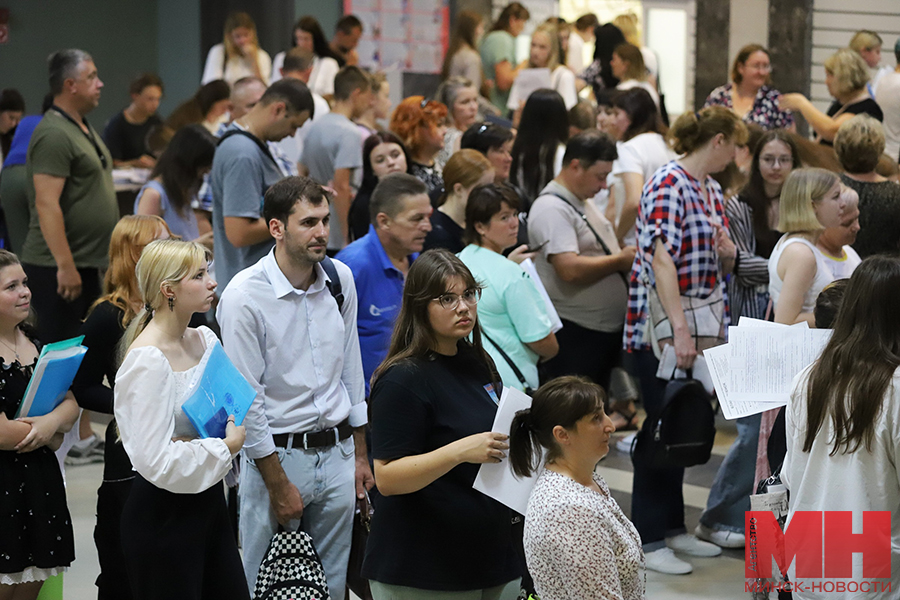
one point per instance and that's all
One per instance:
(16, 349)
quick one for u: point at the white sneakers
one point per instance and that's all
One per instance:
(665, 561)
(720, 537)
(690, 545)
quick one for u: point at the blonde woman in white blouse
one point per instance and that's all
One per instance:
(578, 543)
(176, 537)
(239, 54)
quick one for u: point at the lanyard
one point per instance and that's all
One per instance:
(89, 134)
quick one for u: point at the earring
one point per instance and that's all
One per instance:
(171, 303)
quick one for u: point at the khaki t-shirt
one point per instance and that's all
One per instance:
(599, 306)
(60, 148)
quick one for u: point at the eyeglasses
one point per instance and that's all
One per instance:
(451, 301)
(763, 68)
(771, 161)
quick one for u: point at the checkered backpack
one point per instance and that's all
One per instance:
(291, 570)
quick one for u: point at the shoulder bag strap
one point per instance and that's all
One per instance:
(591, 227)
(334, 286)
(263, 147)
(508, 360)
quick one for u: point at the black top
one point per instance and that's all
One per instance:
(445, 233)
(446, 536)
(879, 217)
(431, 177)
(358, 218)
(866, 106)
(126, 141)
(102, 332)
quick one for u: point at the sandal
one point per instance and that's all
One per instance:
(631, 420)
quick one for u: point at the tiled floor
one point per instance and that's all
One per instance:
(720, 578)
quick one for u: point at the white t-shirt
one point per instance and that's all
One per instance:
(643, 154)
(842, 268)
(633, 83)
(887, 95)
(561, 79)
(321, 79)
(650, 61)
(292, 146)
(858, 481)
(237, 67)
(575, 56)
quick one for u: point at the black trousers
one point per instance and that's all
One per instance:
(58, 319)
(180, 545)
(112, 583)
(585, 352)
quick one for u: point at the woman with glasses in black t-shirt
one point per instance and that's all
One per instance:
(433, 403)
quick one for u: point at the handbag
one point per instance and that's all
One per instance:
(362, 522)
(528, 389)
(705, 319)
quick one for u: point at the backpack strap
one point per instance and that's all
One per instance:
(334, 286)
(263, 147)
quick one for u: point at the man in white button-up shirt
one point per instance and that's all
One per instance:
(282, 328)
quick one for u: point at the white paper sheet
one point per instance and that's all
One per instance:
(531, 80)
(667, 369)
(765, 361)
(497, 480)
(555, 322)
(718, 360)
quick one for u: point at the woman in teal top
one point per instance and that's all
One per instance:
(498, 53)
(512, 313)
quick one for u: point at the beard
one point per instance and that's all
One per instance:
(301, 254)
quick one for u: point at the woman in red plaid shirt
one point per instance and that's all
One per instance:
(683, 252)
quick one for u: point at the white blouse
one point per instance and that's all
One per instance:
(148, 400)
(321, 78)
(237, 67)
(579, 544)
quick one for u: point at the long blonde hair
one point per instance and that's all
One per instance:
(129, 238)
(235, 20)
(549, 30)
(161, 262)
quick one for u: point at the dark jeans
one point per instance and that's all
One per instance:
(582, 351)
(657, 499)
(58, 319)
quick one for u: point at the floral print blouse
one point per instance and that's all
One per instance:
(579, 544)
(765, 112)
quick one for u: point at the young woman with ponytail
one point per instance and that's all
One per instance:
(103, 330)
(176, 537)
(578, 542)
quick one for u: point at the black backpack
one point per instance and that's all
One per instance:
(683, 433)
(291, 570)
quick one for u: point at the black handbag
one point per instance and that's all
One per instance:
(683, 431)
(362, 521)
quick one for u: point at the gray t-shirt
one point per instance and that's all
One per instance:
(333, 142)
(241, 174)
(599, 306)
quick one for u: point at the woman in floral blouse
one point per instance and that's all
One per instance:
(578, 543)
(750, 96)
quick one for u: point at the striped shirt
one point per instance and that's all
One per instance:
(748, 286)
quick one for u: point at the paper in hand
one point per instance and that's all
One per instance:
(497, 480)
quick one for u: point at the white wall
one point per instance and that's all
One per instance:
(749, 24)
(833, 26)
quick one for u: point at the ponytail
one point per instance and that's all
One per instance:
(693, 129)
(138, 324)
(563, 402)
(524, 450)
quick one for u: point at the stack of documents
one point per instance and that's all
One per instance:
(52, 377)
(753, 372)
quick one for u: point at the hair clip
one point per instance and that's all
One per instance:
(483, 128)
(423, 103)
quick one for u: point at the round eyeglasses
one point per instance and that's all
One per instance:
(451, 301)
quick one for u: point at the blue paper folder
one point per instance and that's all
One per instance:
(52, 377)
(219, 390)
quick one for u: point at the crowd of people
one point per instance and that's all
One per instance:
(380, 273)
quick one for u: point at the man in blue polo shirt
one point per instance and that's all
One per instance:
(399, 212)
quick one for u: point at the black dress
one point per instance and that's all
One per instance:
(35, 526)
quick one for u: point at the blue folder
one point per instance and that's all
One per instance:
(218, 391)
(52, 377)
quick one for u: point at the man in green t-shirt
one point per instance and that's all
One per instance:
(72, 200)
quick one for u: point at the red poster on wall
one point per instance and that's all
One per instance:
(4, 25)
(411, 36)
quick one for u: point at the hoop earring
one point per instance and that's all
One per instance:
(171, 303)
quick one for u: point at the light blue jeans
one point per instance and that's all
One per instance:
(729, 497)
(326, 478)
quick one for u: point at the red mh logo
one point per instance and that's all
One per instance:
(821, 542)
